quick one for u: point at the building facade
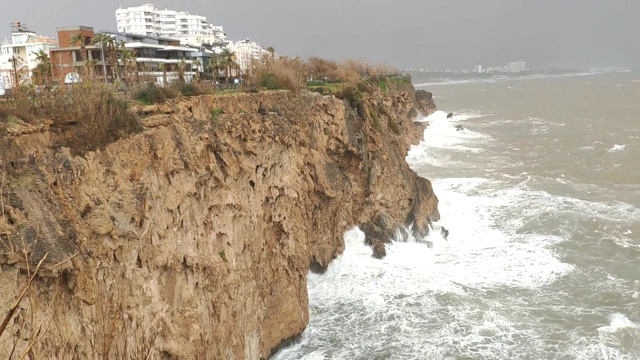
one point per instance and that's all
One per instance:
(71, 61)
(159, 60)
(19, 57)
(147, 20)
(150, 59)
(246, 52)
(518, 66)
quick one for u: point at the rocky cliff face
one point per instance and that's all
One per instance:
(193, 239)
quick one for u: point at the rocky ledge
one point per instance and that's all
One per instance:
(195, 236)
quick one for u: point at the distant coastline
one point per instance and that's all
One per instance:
(434, 78)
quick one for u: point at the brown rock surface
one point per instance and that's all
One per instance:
(195, 237)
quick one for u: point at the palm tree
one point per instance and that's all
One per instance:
(181, 68)
(105, 41)
(272, 51)
(228, 61)
(163, 67)
(79, 38)
(44, 67)
(129, 64)
(196, 64)
(214, 65)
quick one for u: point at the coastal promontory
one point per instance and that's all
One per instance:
(193, 238)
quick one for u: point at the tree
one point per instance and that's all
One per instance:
(163, 67)
(195, 65)
(272, 51)
(322, 69)
(84, 54)
(129, 64)
(181, 68)
(214, 65)
(228, 60)
(106, 42)
(44, 67)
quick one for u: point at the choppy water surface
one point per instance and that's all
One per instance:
(541, 194)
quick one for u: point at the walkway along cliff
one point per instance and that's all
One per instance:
(193, 238)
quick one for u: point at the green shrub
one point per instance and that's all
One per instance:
(318, 89)
(186, 89)
(215, 113)
(315, 83)
(376, 120)
(355, 98)
(269, 81)
(394, 126)
(383, 86)
(154, 95)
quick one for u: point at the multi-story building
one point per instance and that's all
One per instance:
(19, 57)
(152, 59)
(147, 20)
(71, 59)
(159, 59)
(518, 66)
(246, 52)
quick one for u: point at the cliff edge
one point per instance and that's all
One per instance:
(193, 239)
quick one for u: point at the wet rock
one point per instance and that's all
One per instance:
(459, 128)
(424, 101)
(449, 115)
(379, 250)
(444, 232)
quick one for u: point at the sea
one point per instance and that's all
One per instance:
(538, 179)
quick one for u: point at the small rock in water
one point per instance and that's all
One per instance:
(459, 127)
(449, 115)
(379, 250)
(444, 232)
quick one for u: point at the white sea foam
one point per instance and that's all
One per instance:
(617, 322)
(439, 298)
(617, 147)
(396, 303)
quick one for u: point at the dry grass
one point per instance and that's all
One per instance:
(89, 115)
(283, 73)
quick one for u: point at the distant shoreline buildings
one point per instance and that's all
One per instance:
(512, 67)
(163, 42)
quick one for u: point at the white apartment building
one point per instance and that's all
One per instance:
(18, 56)
(246, 51)
(517, 66)
(191, 29)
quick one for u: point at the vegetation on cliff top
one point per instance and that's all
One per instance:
(84, 118)
(92, 114)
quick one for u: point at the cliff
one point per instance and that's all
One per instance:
(193, 239)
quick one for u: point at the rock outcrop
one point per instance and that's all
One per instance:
(193, 239)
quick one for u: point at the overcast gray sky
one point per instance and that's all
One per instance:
(407, 33)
